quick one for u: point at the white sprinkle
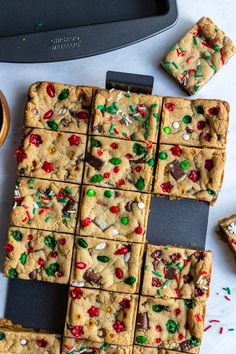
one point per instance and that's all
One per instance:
(185, 137)
(128, 91)
(119, 111)
(101, 246)
(80, 284)
(175, 125)
(112, 89)
(109, 99)
(62, 111)
(71, 211)
(232, 228)
(141, 205)
(114, 232)
(136, 114)
(23, 342)
(35, 205)
(118, 98)
(127, 257)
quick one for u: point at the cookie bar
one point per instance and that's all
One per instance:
(201, 52)
(15, 339)
(170, 324)
(38, 255)
(101, 316)
(189, 172)
(57, 106)
(52, 155)
(113, 214)
(108, 265)
(119, 164)
(177, 273)
(196, 123)
(126, 115)
(45, 205)
(228, 231)
(71, 345)
(144, 350)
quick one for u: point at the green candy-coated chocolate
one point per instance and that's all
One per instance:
(162, 155)
(103, 259)
(23, 258)
(96, 178)
(158, 308)
(50, 242)
(187, 119)
(12, 273)
(185, 164)
(96, 143)
(167, 130)
(199, 109)
(2, 336)
(52, 269)
(17, 235)
(130, 280)
(64, 94)
(211, 192)
(91, 193)
(151, 162)
(82, 243)
(190, 304)
(141, 340)
(140, 184)
(108, 193)
(124, 220)
(115, 161)
(52, 125)
(139, 149)
(171, 326)
(195, 341)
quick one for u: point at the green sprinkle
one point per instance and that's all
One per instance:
(100, 106)
(12, 273)
(159, 292)
(64, 94)
(167, 281)
(213, 67)
(184, 72)
(181, 49)
(187, 119)
(146, 135)
(127, 95)
(17, 235)
(175, 65)
(216, 29)
(141, 340)
(216, 47)
(62, 200)
(211, 192)
(31, 180)
(115, 105)
(111, 130)
(132, 108)
(173, 48)
(146, 267)
(140, 184)
(170, 265)
(52, 269)
(23, 258)
(68, 190)
(48, 219)
(205, 57)
(103, 347)
(179, 266)
(50, 242)
(29, 222)
(103, 259)
(82, 243)
(156, 116)
(52, 125)
(154, 106)
(96, 178)
(158, 274)
(162, 155)
(195, 40)
(196, 87)
(146, 124)
(130, 280)
(227, 290)
(231, 329)
(108, 193)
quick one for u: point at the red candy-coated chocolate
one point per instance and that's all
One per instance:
(158, 340)
(76, 293)
(41, 343)
(214, 111)
(119, 273)
(74, 140)
(80, 265)
(48, 114)
(129, 156)
(86, 222)
(121, 182)
(180, 336)
(139, 230)
(41, 262)
(99, 152)
(8, 248)
(20, 154)
(201, 124)
(166, 187)
(194, 175)
(93, 311)
(138, 168)
(125, 303)
(158, 328)
(121, 251)
(118, 326)
(48, 166)
(35, 139)
(114, 209)
(156, 282)
(77, 331)
(50, 89)
(62, 241)
(53, 254)
(116, 169)
(82, 115)
(114, 145)
(176, 150)
(177, 312)
(206, 136)
(30, 237)
(106, 174)
(208, 165)
(170, 106)
(59, 274)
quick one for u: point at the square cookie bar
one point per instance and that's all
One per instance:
(119, 164)
(71, 345)
(228, 231)
(101, 316)
(170, 324)
(113, 214)
(201, 52)
(45, 205)
(108, 265)
(189, 172)
(17, 340)
(144, 350)
(177, 272)
(126, 115)
(38, 255)
(52, 155)
(196, 123)
(57, 106)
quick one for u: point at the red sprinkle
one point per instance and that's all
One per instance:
(222, 56)
(119, 273)
(170, 106)
(86, 222)
(189, 58)
(207, 328)
(121, 251)
(48, 114)
(35, 139)
(50, 89)
(221, 330)
(227, 298)
(214, 321)
(47, 166)
(74, 140)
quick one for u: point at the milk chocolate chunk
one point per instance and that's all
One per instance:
(142, 321)
(94, 161)
(92, 277)
(69, 207)
(175, 169)
(170, 273)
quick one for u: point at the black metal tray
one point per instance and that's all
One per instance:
(180, 222)
(52, 30)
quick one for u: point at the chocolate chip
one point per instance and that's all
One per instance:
(187, 278)
(189, 130)
(33, 274)
(48, 191)
(186, 345)
(22, 170)
(65, 122)
(79, 159)
(199, 255)
(66, 175)
(175, 257)
(156, 255)
(69, 207)
(170, 273)
(219, 137)
(198, 292)
(176, 171)
(92, 277)
(142, 321)
(101, 332)
(129, 205)
(98, 128)
(140, 160)
(117, 194)
(94, 161)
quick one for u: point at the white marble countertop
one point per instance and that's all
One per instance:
(143, 58)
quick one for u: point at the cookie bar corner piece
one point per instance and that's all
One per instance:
(107, 265)
(72, 345)
(57, 106)
(228, 231)
(120, 164)
(174, 272)
(186, 172)
(170, 324)
(198, 123)
(38, 255)
(113, 214)
(101, 316)
(199, 54)
(126, 115)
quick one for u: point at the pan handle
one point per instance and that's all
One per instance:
(4, 118)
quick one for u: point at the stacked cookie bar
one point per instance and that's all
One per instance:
(86, 171)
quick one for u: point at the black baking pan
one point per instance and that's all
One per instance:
(180, 222)
(51, 30)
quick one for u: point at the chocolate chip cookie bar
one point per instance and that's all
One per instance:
(228, 231)
(196, 123)
(45, 205)
(38, 255)
(15, 339)
(187, 172)
(170, 324)
(113, 214)
(52, 155)
(71, 345)
(198, 56)
(176, 272)
(114, 163)
(108, 265)
(101, 316)
(57, 106)
(126, 115)
(144, 350)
